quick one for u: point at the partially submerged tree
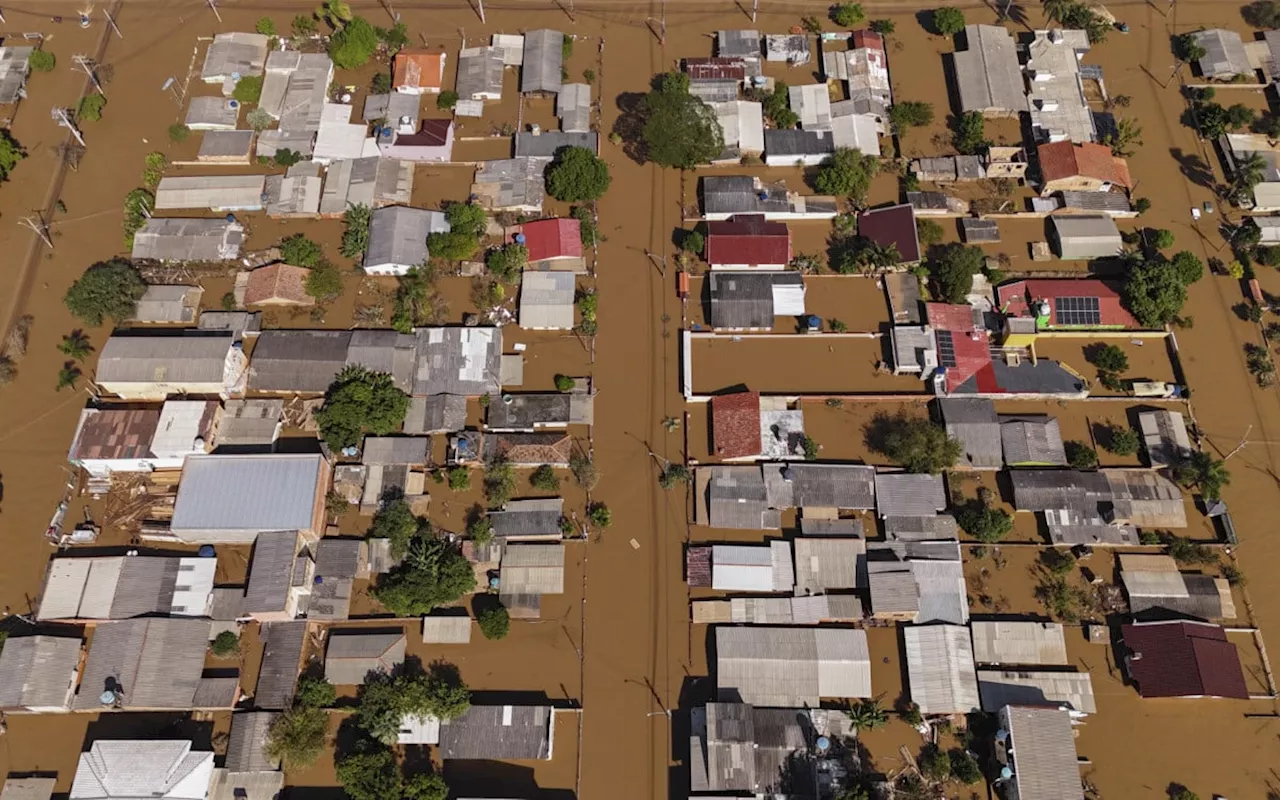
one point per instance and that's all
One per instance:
(952, 269)
(433, 573)
(984, 522)
(1204, 472)
(847, 15)
(300, 251)
(10, 154)
(360, 401)
(1154, 293)
(915, 443)
(383, 701)
(355, 237)
(1121, 440)
(867, 715)
(1080, 455)
(396, 522)
(578, 175)
(324, 282)
(947, 20)
(248, 89)
(494, 621)
(353, 44)
(847, 173)
(906, 114)
(297, 737)
(106, 290)
(680, 130)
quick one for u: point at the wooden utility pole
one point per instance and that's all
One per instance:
(85, 63)
(41, 229)
(1244, 440)
(63, 119)
(755, 10)
(112, 23)
(480, 10)
(214, 8)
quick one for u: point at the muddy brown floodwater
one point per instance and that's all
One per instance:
(642, 658)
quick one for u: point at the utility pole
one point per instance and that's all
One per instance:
(755, 9)
(85, 63)
(110, 21)
(480, 10)
(63, 118)
(386, 6)
(213, 7)
(39, 226)
(568, 10)
(1244, 440)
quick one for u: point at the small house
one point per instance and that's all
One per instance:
(338, 562)
(154, 367)
(1032, 440)
(738, 44)
(212, 114)
(546, 144)
(441, 413)
(1039, 752)
(230, 499)
(392, 108)
(855, 132)
(747, 241)
(232, 56)
(752, 568)
(480, 71)
(977, 427)
(829, 564)
(151, 664)
(528, 571)
(789, 148)
(123, 769)
(507, 733)
(442, 629)
(1085, 238)
(941, 675)
(573, 107)
(398, 239)
(280, 577)
(1073, 304)
(296, 193)
(892, 226)
(1059, 110)
(214, 192)
(338, 138)
(735, 425)
(298, 361)
(510, 184)
(458, 360)
(908, 494)
(550, 240)
(111, 439)
(353, 654)
(729, 195)
(528, 520)
(174, 239)
(123, 587)
(543, 60)
(819, 490)
(431, 144)
(417, 70)
(811, 102)
(1061, 688)
(374, 182)
(793, 48)
(1225, 56)
(734, 498)
(168, 304)
(742, 127)
(278, 285)
(226, 147)
(249, 774)
(917, 581)
(751, 300)
(987, 74)
(1010, 642)
(538, 411)
(249, 425)
(1068, 166)
(791, 667)
(14, 68)
(546, 301)
(282, 648)
(1158, 589)
(39, 673)
(1164, 436)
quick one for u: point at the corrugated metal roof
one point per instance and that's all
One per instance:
(510, 733)
(271, 572)
(28, 788)
(1164, 434)
(281, 656)
(228, 497)
(907, 494)
(1034, 440)
(752, 568)
(940, 669)
(352, 655)
(442, 413)
(236, 53)
(1000, 688)
(920, 528)
(546, 300)
(532, 569)
(458, 360)
(829, 563)
(987, 72)
(398, 237)
(38, 672)
(943, 595)
(528, 518)
(214, 192)
(446, 630)
(840, 486)
(246, 744)
(736, 499)
(182, 239)
(392, 450)
(1011, 642)
(543, 58)
(974, 422)
(164, 359)
(152, 663)
(791, 667)
(1044, 761)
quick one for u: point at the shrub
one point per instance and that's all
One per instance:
(544, 478)
(584, 470)
(884, 27)
(381, 83)
(969, 133)
(494, 621)
(965, 768)
(910, 114)
(1161, 238)
(846, 15)
(1107, 357)
(564, 383)
(499, 483)
(228, 301)
(153, 167)
(106, 290)
(589, 75)
(90, 108)
(248, 89)
(674, 475)
(480, 531)
(984, 523)
(324, 282)
(599, 515)
(1184, 551)
(935, 764)
(41, 61)
(929, 232)
(178, 132)
(847, 173)
(446, 100)
(459, 479)
(1080, 455)
(300, 251)
(1058, 562)
(137, 205)
(1142, 205)
(355, 237)
(578, 175)
(506, 263)
(297, 737)
(1261, 14)
(303, 25)
(265, 26)
(948, 21)
(313, 692)
(10, 154)
(1122, 441)
(285, 157)
(258, 119)
(225, 644)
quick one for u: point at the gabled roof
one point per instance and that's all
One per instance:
(282, 647)
(38, 671)
(814, 485)
(181, 239)
(892, 225)
(151, 663)
(163, 359)
(1060, 160)
(543, 59)
(528, 518)
(701, 69)
(736, 498)
(114, 433)
(418, 68)
(552, 238)
(546, 300)
(735, 424)
(1225, 54)
(1045, 764)
(791, 667)
(987, 72)
(230, 495)
(398, 236)
(386, 351)
(278, 284)
(974, 423)
(235, 53)
(907, 494)
(940, 669)
(747, 239)
(1064, 296)
(1183, 659)
(297, 360)
(271, 572)
(529, 448)
(133, 769)
(458, 360)
(353, 654)
(246, 744)
(509, 733)
(1014, 642)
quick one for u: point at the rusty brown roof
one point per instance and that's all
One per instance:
(110, 433)
(278, 283)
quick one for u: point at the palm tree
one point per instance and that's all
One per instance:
(75, 345)
(68, 375)
(1057, 9)
(867, 715)
(875, 255)
(1128, 136)
(335, 12)
(1247, 174)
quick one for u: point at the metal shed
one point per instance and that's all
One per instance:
(480, 71)
(226, 147)
(546, 301)
(212, 114)
(1085, 237)
(233, 56)
(214, 192)
(940, 669)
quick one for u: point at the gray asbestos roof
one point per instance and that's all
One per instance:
(298, 361)
(441, 413)
(237, 323)
(528, 518)
(458, 360)
(791, 667)
(391, 107)
(738, 44)
(163, 359)
(386, 351)
(920, 528)
(480, 72)
(527, 411)
(297, 192)
(28, 788)
(152, 663)
(1164, 434)
(828, 563)
(234, 53)
(227, 498)
(543, 58)
(271, 572)
(1061, 688)
(573, 107)
(398, 236)
(353, 655)
(281, 658)
(736, 498)
(508, 733)
(247, 423)
(987, 73)
(975, 424)
(940, 669)
(1225, 55)
(395, 450)
(245, 746)
(370, 181)
(511, 183)
(169, 304)
(548, 143)
(227, 785)
(1032, 441)
(546, 300)
(177, 239)
(13, 73)
(532, 569)
(38, 671)
(1045, 763)
(216, 192)
(212, 113)
(906, 494)
(219, 146)
(1012, 642)
(798, 143)
(844, 486)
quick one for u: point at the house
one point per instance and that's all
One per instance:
(1055, 95)
(716, 69)
(1099, 508)
(1157, 589)
(393, 108)
(232, 56)
(829, 563)
(1113, 204)
(919, 528)
(543, 60)
(459, 360)
(508, 733)
(39, 673)
(528, 571)
(238, 324)
(294, 91)
(819, 489)
(793, 48)
(214, 192)
(1180, 658)
(296, 193)
(398, 239)
(249, 425)
(892, 226)
(278, 285)
(353, 654)
(791, 667)
(168, 304)
(110, 440)
(431, 144)
(738, 44)
(1018, 643)
(123, 769)
(948, 169)
(573, 107)
(1268, 228)
(1066, 304)
(1032, 440)
(480, 72)
(528, 520)
(14, 69)
(152, 367)
(940, 670)
(778, 430)
(975, 424)
(338, 138)
(750, 300)
(417, 70)
(742, 128)
(123, 587)
(386, 351)
(988, 77)
(909, 494)
(280, 577)
(151, 664)
(903, 291)
(735, 425)
(1225, 56)
(1089, 167)
(1064, 689)
(446, 629)
(528, 449)
(535, 411)
(811, 102)
(1084, 238)
(1039, 752)
(726, 196)
(395, 450)
(747, 241)
(752, 568)
(185, 240)
(917, 581)
(441, 413)
(249, 773)
(715, 90)
(734, 498)
(338, 562)
(979, 231)
(212, 114)
(546, 301)
(553, 244)
(371, 181)
(867, 68)
(510, 184)
(789, 148)
(230, 499)
(1164, 435)
(298, 361)
(282, 648)
(546, 144)
(856, 132)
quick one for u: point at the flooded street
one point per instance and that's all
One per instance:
(626, 607)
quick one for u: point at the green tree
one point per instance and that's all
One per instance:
(225, 644)
(1056, 10)
(578, 176)
(266, 26)
(381, 83)
(1204, 471)
(480, 531)
(425, 786)
(434, 573)
(138, 204)
(370, 775)
(499, 483)
(884, 27)
(867, 715)
(1142, 205)
(178, 133)
(507, 262)
(259, 119)
(1122, 441)
(395, 521)
(1239, 116)
(1247, 172)
(324, 282)
(847, 173)
(969, 133)
(106, 290)
(929, 232)
(692, 242)
(335, 12)
(303, 25)
(395, 39)
(353, 44)
(1108, 358)
(965, 768)
(446, 100)
(952, 271)
(1260, 14)
(360, 401)
(300, 251)
(297, 737)
(314, 692)
(847, 15)
(544, 478)
(248, 89)
(10, 154)
(153, 167)
(915, 443)
(41, 61)
(1189, 268)
(680, 130)
(948, 21)
(565, 383)
(674, 475)
(75, 345)
(599, 515)
(1154, 293)
(777, 109)
(1126, 138)
(355, 238)
(1080, 455)
(459, 479)
(285, 157)
(935, 764)
(907, 114)
(1161, 238)
(494, 621)
(90, 108)
(67, 376)
(984, 523)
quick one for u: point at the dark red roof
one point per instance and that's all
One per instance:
(704, 69)
(892, 225)
(433, 133)
(964, 349)
(735, 424)
(1183, 659)
(552, 238)
(747, 239)
(866, 38)
(1016, 299)
(697, 567)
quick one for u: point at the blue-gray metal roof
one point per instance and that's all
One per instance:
(234, 493)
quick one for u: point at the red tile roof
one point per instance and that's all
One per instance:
(418, 68)
(278, 284)
(866, 38)
(735, 424)
(700, 69)
(552, 238)
(970, 345)
(893, 225)
(1183, 659)
(1060, 160)
(1016, 299)
(747, 239)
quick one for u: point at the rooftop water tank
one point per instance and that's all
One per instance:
(205, 551)
(519, 238)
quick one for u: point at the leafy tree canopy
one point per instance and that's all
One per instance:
(383, 700)
(248, 89)
(433, 574)
(952, 271)
(1154, 293)
(1107, 357)
(916, 443)
(948, 21)
(370, 775)
(984, 523)
(359, 402)
(1190, 269)
(395, 521)
(353, 44)
(297, 736)
(847, 173)
(10, 154)
(910, 114)
(300, 251)
(846, 15)
(324, 282)
(106, 290)
(680, 130)
(355, 238)
(578, 175)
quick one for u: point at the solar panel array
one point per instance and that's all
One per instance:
(1077, 311)
(946, 349)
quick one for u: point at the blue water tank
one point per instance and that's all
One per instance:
(813, 322)
(231, 218)
(233, 104)
(519, 238)
(206, 551)
(1005, 773)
